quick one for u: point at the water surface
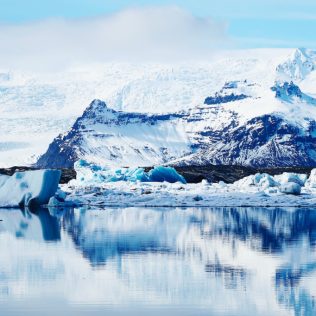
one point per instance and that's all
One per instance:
(149, 261)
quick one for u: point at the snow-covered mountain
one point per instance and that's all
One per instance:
(105, 136)
(214, 112)
(200, 136)
(251, 123)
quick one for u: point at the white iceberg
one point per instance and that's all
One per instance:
(311, 181)
(259, 180)
(291, 188)
(28, 188)
(287, 183)
(287, 177)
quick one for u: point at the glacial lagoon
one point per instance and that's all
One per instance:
(153, 261)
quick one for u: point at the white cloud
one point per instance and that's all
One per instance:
(140, 34)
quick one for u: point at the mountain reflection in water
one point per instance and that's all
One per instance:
(215, 261)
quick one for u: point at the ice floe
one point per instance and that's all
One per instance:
(28, 188)
(134, 187)
(311, 181)
(161, 186)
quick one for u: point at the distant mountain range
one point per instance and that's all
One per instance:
(220, 131)
(252, 108)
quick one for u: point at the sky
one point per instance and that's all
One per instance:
(62, 31)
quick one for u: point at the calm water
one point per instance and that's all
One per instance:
(143, 261)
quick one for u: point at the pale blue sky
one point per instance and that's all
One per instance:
(254, 23)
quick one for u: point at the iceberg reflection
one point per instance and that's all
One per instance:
(260, 260)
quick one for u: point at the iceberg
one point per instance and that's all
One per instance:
(311, 181)
(89, 173)
(291, 188)
(287, 183)
(287, 177)
(29, 188)
(168, 174)
(260, 180)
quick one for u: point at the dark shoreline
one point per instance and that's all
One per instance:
(230, 174)
(192, 174)
(67, 174)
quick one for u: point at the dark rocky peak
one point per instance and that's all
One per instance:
(229, 93)
(287, 90)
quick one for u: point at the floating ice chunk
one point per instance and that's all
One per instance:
(222, 184)
(311, 182)
(29, 188)
(287, 177)
(3, 179)
(168, 174)
(289, 183)
(92, 174)
(290, 188)
(133, 175)
(60, 195)
(87, 172)
(260, 180)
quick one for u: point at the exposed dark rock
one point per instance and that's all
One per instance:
(229, 174)
(268, 141)
(218, 99)
(287, 89)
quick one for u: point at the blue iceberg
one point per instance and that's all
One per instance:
(89, 173)
(28, 188)
(168, 174)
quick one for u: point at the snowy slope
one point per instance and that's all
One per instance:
(108, 137)
(37, 107)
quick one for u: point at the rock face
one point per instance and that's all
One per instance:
(291, 93)
(266, 141)
(229, 93)
(218, 99)
(287, 90)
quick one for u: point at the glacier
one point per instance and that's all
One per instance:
(29, 188)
